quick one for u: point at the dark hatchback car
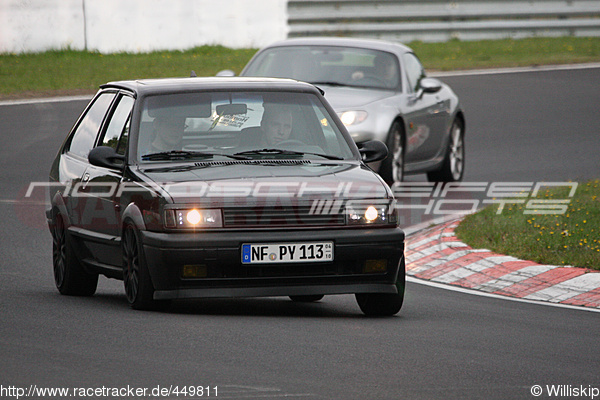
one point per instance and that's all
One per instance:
(222, 187)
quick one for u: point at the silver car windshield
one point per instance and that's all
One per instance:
(333, 65)
(239, 125)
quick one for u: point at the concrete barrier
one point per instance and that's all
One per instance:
(110, 26)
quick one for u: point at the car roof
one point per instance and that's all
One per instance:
(343, 41)
(146, 87)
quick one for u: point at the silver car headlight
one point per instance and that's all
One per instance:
(353, 117)
(193, 218)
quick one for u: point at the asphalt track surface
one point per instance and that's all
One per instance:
(531, 126)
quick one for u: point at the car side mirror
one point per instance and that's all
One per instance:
(106, 157)
(429, 85)
(226, 72)
(372, 151)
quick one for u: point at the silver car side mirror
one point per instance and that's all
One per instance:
(428, 85)
(226, 72)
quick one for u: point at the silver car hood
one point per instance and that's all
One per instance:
(346, 98)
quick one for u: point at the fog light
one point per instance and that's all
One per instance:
(194, 271)
(375, 266)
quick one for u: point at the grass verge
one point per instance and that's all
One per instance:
(571, 238)
(69, 71)
(508, 52)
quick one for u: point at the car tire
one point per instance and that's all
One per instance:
(453, 167)
(307, 298)
(136, 277)
(69, 276)
(392, 168)
(384, 304)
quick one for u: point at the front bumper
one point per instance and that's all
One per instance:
(218, 255)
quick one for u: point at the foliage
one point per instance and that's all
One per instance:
(572, 238)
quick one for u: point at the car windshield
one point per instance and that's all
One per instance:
(333, 65)
(240, 126)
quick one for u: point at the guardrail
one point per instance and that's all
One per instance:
(438, 20)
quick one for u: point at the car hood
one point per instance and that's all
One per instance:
(230, 181)
(346, 98)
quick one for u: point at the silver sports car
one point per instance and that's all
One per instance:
(380, 91)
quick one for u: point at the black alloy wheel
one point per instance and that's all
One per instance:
(69, 276)
(384, 304)
(136, 278)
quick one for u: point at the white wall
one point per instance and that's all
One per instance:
(37, 25)
(139, 25)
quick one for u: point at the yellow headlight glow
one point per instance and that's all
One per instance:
(371, 214)
(194, 217)
(353, 117)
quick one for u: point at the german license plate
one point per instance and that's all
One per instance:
(265, 253)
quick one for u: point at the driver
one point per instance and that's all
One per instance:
(168, 133)
(384, 70)
(276, 125)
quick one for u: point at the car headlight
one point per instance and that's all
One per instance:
(371, 214)
(353, 117)
(192, 218)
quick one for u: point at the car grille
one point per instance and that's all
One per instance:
(289, 216)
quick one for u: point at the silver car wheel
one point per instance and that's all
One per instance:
(392, 168)
(398, 160)
(453, 166)
(457, 152)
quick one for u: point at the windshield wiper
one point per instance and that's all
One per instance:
(268, 152)
(329, 83)
(184, 154)
(350, 85)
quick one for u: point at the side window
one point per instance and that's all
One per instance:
(117, 132)
(84, 137)
(331, 137)
(414, 71)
